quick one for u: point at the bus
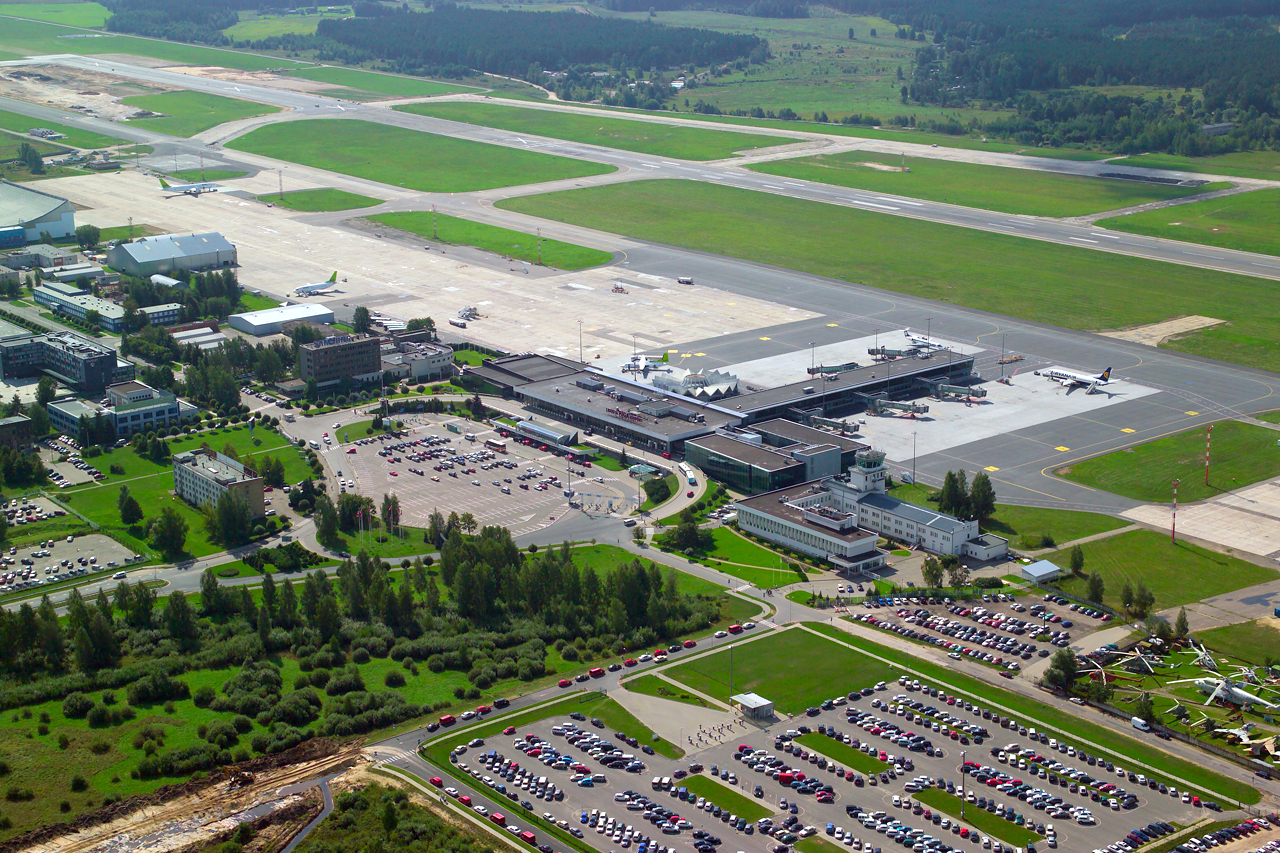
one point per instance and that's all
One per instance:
(686, 471)
(494, 444)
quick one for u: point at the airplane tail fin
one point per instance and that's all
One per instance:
(1106, 375)
(333, 278)
(666, 357)
(163, 184)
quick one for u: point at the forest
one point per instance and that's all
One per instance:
(511, 43)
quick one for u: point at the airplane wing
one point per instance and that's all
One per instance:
(1221, 688)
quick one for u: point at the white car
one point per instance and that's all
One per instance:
(720, 635)
(337, 426)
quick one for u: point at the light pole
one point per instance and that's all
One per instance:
(579, 340)
(1173, 527)
(962, 775)
(812, 362)
(913, 457)
(1208, 436)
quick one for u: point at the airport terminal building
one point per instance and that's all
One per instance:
(771, 455)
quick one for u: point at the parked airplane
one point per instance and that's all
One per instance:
(1228, 691)
(1070, 378)
(921, 342)
(320, 287)
(189, 189)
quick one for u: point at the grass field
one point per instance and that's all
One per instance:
(946, 263)
(10, 146)
(972, 185)
(1114, 742)
(187, 113)
(408, 158)
(249, 302)
(736, 549)
(388, 85)
(314, 201)
(75, 137)
(979, 819)
(503, 241)
(253, 27)
(652, 685)
(660, 140)
(793, 668)
(1269, 417)
(195, 176)
(842, 753)
(127, 232)
(725, 797)
(1245, 164)
(1256, 642)
(67, 14)
(1246, 221)
(1176, 573)
(1241, 454)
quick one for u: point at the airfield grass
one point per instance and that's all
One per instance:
(942, 262)
(1020, 191)
(725, 797)
(187, 113)
(1116, 743)
(1176, 573)
(251, 302)
(409, 158)
(315, 201)
(68, 14)
(652, 685)
(253, 27)
(196, 176)
(842, 753)
(1242, 454)
(979, 819)
(10, 146)
(389, 85)
(1244, 164)
(1249, 222)
(516, 244)
(127, 232)
(793, 668)
(1269, 417)
(645, 137)
(75, 137)
(1257, 641)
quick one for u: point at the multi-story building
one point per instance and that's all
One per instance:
(419, 361)
(131, 407)
(15, 432)
(71, 359)
(201, 476)
(328, 361)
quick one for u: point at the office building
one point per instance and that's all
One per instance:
(15, 432)
(76, 361)
(270, 321)
(131, 407)
(167, 253)
(34, 213)
(419, 362)
(329, 361)
(771, 455)
(201, 476)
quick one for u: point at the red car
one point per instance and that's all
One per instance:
(629, 662)
(351, 450)
(437, 781)
(688, 644)
(689, 493)
(596, 672)
(509, 730)
(564, 682)
(735, 629)
(465, 800)
(483, 709)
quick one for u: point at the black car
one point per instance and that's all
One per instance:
(501, 703)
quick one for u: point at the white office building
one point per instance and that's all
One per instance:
(201, 476)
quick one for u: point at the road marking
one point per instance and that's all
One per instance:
(792, 184)
(1203, 255)
(669, 163)
(1083, 240)
(991, 468)
(899, 201)
(699, 354)
(832, 325)
(1192, 413)
(1269, 266)
(766, 339)
(873, 204)
(773, 186)
(1108, 236)
(1126, 429)
(1062, 449)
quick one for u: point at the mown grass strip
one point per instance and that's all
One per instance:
(979, 819)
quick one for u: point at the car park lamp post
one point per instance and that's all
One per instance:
(962, 775)
(1173, 522)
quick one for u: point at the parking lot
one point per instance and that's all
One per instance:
(34, 565)
(431, 468)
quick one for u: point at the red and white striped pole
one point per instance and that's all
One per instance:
(1208, 435)
(1173, 529)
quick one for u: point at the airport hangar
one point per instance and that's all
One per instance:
(628, 411)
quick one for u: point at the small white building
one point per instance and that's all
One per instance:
(1041, 571)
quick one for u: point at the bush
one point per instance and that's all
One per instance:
(79, 784)
(394, 678)
(76, 706)
(203, 696)
(100, 747)
(360, 656)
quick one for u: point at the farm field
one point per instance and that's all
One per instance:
(67, 14)
(315, 201)
(1018, 191)
(20, 124)
(187, 113)
(781, 665)
(503, 241)
(946, 263)
(389, 85)
(1244, 164)
(1175, 573)
(1242, 454)
(1249, 222)
(660, 140)
(419, 161)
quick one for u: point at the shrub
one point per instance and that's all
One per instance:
(78, 784)
(76, 706)
(42, 729)
(100, 747)
(64, 806)
(203, 696)
(360, 656)
(63, 741)
(394, 678)
(19, 795)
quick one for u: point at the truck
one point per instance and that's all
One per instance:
(685, 279)
(454, 321)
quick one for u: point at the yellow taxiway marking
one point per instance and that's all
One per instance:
(1192, 413)
(673, 350)
(1126, 429)
(833, 325)
(1062, 449)
(699, 354)
(991, 468)
(766, 339)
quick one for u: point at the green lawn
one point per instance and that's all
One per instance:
(726, 798)
(673, 483)
(736, 549)
(842, 753)
(1255, 641)
(67, 14)
(249, 302)
(987, 187)
(10, 146)
(1116, 743)
(652, 685)
(195, 176)
(979, 819)
(503, 241)
(1177, 573)
(313, 201)
(127, 232)
(1246, 221)
(645, 137)
(390, 85)
(408, 158)
(1245, 164)
(75, 137)
(1241, 454)
(187, 113)
(952, 264)
(1269, 417)
(254, 27)
(790, 668)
